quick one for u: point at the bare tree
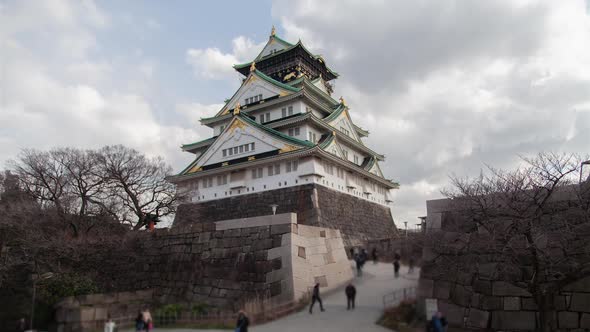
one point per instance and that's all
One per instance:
(44, 178)
(139, 184)
(531, 224)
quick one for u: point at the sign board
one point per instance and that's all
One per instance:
(431, 307)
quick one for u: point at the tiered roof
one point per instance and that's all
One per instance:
(301, 86)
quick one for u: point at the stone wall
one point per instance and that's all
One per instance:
(88, 312)
(225, 264)
(487, 295)
(357, 219)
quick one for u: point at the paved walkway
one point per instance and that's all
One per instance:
(377, 281)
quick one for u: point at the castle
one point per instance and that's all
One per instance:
(283, 142)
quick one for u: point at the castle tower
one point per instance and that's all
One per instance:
(283, 141)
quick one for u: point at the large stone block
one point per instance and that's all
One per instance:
(511, 303)
(454, 313)
(478, 318)
(514, 320)
(585, 321)
(582, 285)
(502, 288)
(580, 302)
(568, 319)
(442, 290)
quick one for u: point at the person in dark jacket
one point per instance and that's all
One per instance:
(364, 257)
(359, 265)
(139, 324)
(350, 295)
(374, 255)
(438, 323)
(396, 267)
(315, 296)
(243, 322)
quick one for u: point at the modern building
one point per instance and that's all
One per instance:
(282, 129)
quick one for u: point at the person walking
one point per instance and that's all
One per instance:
(350, 295)
(243, 322)
(109, 325)
(315, 296)
(139, 324)
(411, 265)
(359, 265)
(396, 267)
(364, 257)
(148, 324)
(374, 255)
(352, 252)
(438, 323)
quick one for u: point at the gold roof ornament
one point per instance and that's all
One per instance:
(273, 31)
(342, 101)
(237, 109)
(333, 132)
(253, 66)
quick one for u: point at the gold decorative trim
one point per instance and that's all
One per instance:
(273, 31)
(251, 158)
(224, 164)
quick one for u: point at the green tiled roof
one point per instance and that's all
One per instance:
(190, 145)
(275, 82)
(289, 47)
(275, 132)
(335, 114)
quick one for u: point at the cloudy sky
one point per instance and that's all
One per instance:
(444, 87)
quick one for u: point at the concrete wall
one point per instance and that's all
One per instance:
(318, 256)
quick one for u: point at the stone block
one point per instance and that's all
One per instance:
(455, 314)
(511, 303)
(491, 303)
(568, 319)
(528, 303)
(442, 290)
(502, 288)
(585, 321)
(487, 271)
(581, 285)
(100, 314)
(425, 288)
(580, 302)
(513, 320)
(482, 286)
(461, 295)
(478, 318)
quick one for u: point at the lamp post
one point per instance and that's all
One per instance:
(587, 162)
(274, 208)
(406, 226)
(36, 278)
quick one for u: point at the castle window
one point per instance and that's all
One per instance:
(344, 130)
(290, 112)
(252, 146)
(268, 117)
(290, 131)
(291, 166)
(345, 153)
(284, 112)
(356, 159)
(297, 132)
(260, 97)
(224, 151)
(257, 173)
(235, 150)
(241, 148)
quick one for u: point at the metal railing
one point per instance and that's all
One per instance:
(396, 297)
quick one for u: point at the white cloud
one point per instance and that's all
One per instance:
(50, 100)
(453, 85)
(212, 63)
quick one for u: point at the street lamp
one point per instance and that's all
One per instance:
(36, 278)
(406, 226)
(274, 208)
